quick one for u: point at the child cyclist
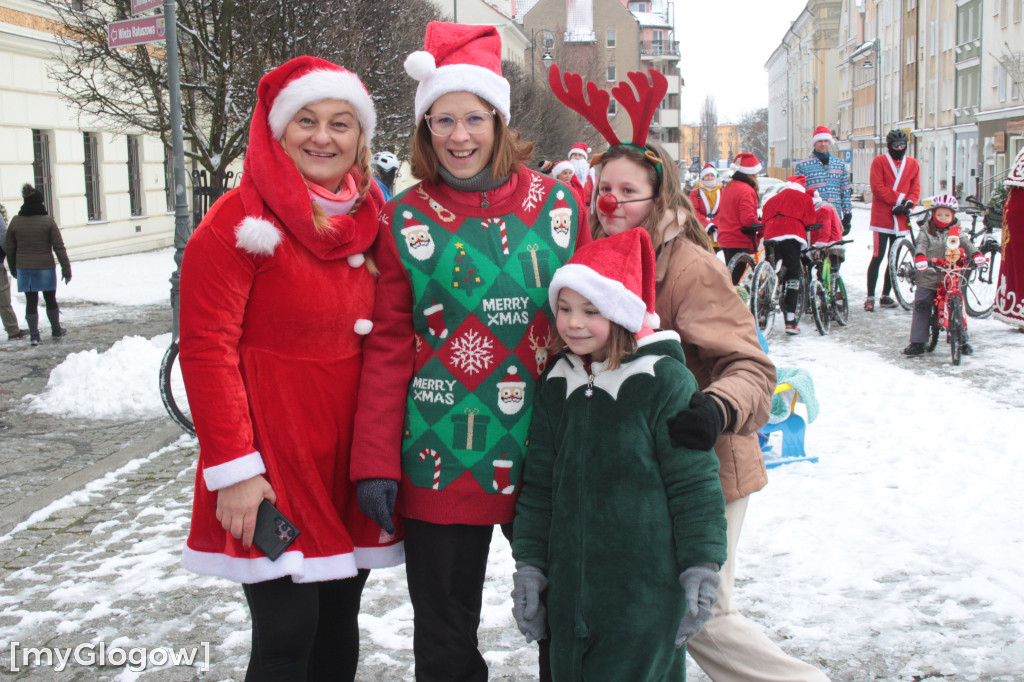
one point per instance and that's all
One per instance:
(932, 243)
(624, 530)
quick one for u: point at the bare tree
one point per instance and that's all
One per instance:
(709, 129)
(225, 47)
(1013, 63)
(754, 133)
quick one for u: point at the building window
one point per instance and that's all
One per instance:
(611, 73)
(638, 7)
(134, 176)
(612, 108)
(92, 176)
(609, 38)
(42, 169)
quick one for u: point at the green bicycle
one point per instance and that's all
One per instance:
(829, 291)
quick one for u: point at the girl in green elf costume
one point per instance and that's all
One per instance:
(622, 531)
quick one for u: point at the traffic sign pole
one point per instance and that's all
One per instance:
(182, 226)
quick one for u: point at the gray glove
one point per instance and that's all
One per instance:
(376, 498)
(528, 610)
(700, 587)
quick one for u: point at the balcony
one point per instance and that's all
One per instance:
(649, 48)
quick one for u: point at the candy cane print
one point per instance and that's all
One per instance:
(427, 452)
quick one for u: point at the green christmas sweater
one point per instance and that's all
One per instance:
(612, 512)
(460, 329)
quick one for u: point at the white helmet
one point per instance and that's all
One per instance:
(385, 161)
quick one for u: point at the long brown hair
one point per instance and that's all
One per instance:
(668, 196)
(621, 344)
(509, 151)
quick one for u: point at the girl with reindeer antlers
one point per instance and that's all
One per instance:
(637, 185)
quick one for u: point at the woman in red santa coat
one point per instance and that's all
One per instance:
(706, 198)
(1010, 294)
(738, 209)
(277, 291)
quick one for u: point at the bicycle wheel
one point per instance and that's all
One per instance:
(172, 390)
(840, 302)
(741, 266)
(981, 283)
(902, 271)
(955, 333)
(819, 308)
(763, 296)
(933, 330)
(802, 299)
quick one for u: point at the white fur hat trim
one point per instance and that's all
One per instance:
(317, 86)
(257, 236)
(561, 166)
(478, 80)
(363, 326)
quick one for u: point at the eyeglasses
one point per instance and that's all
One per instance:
(443, 125)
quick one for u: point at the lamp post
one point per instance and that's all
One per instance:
(547, 57)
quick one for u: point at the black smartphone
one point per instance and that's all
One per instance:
(274, 532)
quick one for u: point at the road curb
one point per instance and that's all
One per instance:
(15, 513)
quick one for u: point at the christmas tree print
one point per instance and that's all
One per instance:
(464, 274)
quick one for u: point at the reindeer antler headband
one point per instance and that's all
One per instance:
(592, 104)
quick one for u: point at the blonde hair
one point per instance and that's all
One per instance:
(621, 344)
(509, 150)
(668, 196)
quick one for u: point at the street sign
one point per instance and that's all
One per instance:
(848, 155)
(140, 6)
(137, 31)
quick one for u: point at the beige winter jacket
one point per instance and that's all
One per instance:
(695, 297)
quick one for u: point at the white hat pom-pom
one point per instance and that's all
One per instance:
(652, 321)
(363, 327)
(356, 260)
(420, 65)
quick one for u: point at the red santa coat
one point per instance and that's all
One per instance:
(1010, 292)
(738, 208)
(788, 213)
(706, 204)
(892, 183)
(831, 227)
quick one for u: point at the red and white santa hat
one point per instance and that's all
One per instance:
(617, 275)
(580, 148)
(746, 162)
(561, 166)
(822, 133)
(708, 169)
(512, 379)
(561, 205)
(459, 58)
(313, 80)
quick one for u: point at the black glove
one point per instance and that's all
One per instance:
(700, 589)
(898, 210)
(908, 206)
(377, 500)
(847, 219)
(699, 426)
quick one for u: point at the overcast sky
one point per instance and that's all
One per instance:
(723, 47)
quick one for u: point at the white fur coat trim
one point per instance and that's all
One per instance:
(258, 236)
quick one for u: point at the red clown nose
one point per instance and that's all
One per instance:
(607, 203)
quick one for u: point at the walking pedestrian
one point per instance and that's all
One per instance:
(827, 174)
(460, 330)
(32, 240)
(895, 190)
(277, 288)
(7, 316)
(1009, 306)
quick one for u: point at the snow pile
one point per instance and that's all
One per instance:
(120, 383)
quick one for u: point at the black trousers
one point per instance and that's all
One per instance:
(883, 242)
(304, 631)
(32, 301)
(788, 251)
(445, 567)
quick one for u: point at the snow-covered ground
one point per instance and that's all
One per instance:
(898, 556)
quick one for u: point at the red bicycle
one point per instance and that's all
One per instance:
(948, 310)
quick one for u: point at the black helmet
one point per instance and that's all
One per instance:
(896, 137)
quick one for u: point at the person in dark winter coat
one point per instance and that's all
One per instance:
(606, 485)
(32, 240)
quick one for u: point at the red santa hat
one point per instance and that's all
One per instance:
(747, 163)
(562, 166)
(410, 223)
(617, 275)
(580, 148)
(822, 133)
(708, 169)
(459, 58)
(512, 379)
(797, 180)
(561, 205)
(311, 80)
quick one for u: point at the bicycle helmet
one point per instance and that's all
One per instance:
(385, 161)
(896, 137)
(945, 201)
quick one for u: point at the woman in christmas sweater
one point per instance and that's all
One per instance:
(738, 209)
(276, 296)
(461, 325)
(622, 528)
(706, 198)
